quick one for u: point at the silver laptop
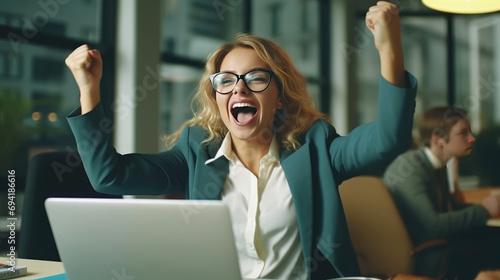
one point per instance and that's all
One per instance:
(143, 239)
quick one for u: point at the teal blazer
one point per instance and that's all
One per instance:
(314, 171)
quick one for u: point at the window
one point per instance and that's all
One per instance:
(192, 29)
(10, 65)
(300, 36)
(424, 47)
(58, 18)
(477, 83)
(178, 88)
(37, 91)
(477, 69)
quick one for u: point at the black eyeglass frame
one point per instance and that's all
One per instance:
(241, 77)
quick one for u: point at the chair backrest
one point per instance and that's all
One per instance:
(54, 174)
(378, 233)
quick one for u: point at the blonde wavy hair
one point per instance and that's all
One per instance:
(297, 115)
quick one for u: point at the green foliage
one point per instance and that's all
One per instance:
(13, 109)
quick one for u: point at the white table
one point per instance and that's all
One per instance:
(36, 268)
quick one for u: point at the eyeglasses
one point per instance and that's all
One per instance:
(255, 80)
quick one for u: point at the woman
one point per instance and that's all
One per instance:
(257, 144)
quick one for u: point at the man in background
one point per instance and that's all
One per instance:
(418, 182)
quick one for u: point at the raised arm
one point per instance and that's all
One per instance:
(379, 142)
(86, 66)
(109, 171)
(383, 21)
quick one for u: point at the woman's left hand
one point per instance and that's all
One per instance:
(383, 21)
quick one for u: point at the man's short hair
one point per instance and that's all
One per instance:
(439, 121)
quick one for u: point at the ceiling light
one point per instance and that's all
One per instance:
(464, 6)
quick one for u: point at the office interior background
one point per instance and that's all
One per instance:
(154, 53)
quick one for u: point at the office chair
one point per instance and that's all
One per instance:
(54, 174)
(378, 233)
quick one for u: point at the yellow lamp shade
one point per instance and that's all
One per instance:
(464, 6)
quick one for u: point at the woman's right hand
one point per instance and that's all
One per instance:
(86, 66)
(492, 205)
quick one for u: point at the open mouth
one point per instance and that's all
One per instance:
(243, 112)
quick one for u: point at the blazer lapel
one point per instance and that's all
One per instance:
(298, 174)
(209, 179)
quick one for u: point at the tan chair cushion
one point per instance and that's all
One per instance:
(379, 236)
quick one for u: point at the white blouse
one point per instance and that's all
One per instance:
(263, 217)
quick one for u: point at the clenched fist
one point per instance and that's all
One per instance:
(86, 66)
(383, 21)
(492, 205)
